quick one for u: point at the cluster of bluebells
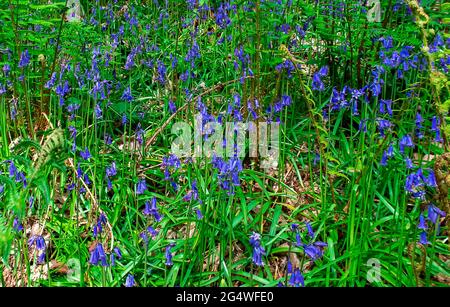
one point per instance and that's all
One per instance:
(39, 243)
(98, 227)
(257, 250)
(170, 164)
(416, 183)
(402, 61)
(276, 109)
(228, 172)
(433, 216)
(317, 83)
(313, 249)
(98, 255)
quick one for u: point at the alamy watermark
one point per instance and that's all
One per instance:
(227, 139)
(374, 271)
(374, 11)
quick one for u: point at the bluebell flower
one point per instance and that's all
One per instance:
(172, 107)
(199, 214)
(152, 231)
(387, 42)
(141, 187)
(38, 241)
(409, 164)
(51, 83)
(12, 169)
(423, 238)
(6, 69)
(405, 141)
(390, 151)
(222, 18)
(193, 193)
(289, 267)
(386, 106)
(24, 59)
(434, 213)
(111, 170)
(127, 94)
(143, 235)
(297, 279)
(384, 159)
(98, 111)
(129, 282)
(41, 258)
(17, 225)
(315, 250)
(317, 83)
(117, 252)
(383, 126)
(419, 121)
(435, 122)
(169, 255)
(422, 223)
(436, 44)
(258, 250)
(430, 180)
(151, 209)
(98, 254)
(310, 229)
(107, 139)
(298, 240)
(414, 183)
(85, 154)
(161, 68)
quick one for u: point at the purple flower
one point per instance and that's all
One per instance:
(199, 214)
(161, 68)
(12, 169)
(172, 107)
(41, 258)
(141, 187)
(111, 170)
(51, 83)
(38, 241)
(317, 83)
(435, 122)
(430, 180)
(24, 59)
(383, 125)
(315, 250)
(258, 250)
(129, 282)
(17, 225)
(117, 252)
(434, 213)
(409, 164)
(423, 238)
(98, 111)
(384, 159)
(310, 230)
(98, 254)
(193, 193)
(127, 94)
(422, 223)
(405, 141)
(169, 255)
(152, 231)
(298, 240)
(297, 279)
(151, 209)
(386, 107)
(85, 154)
